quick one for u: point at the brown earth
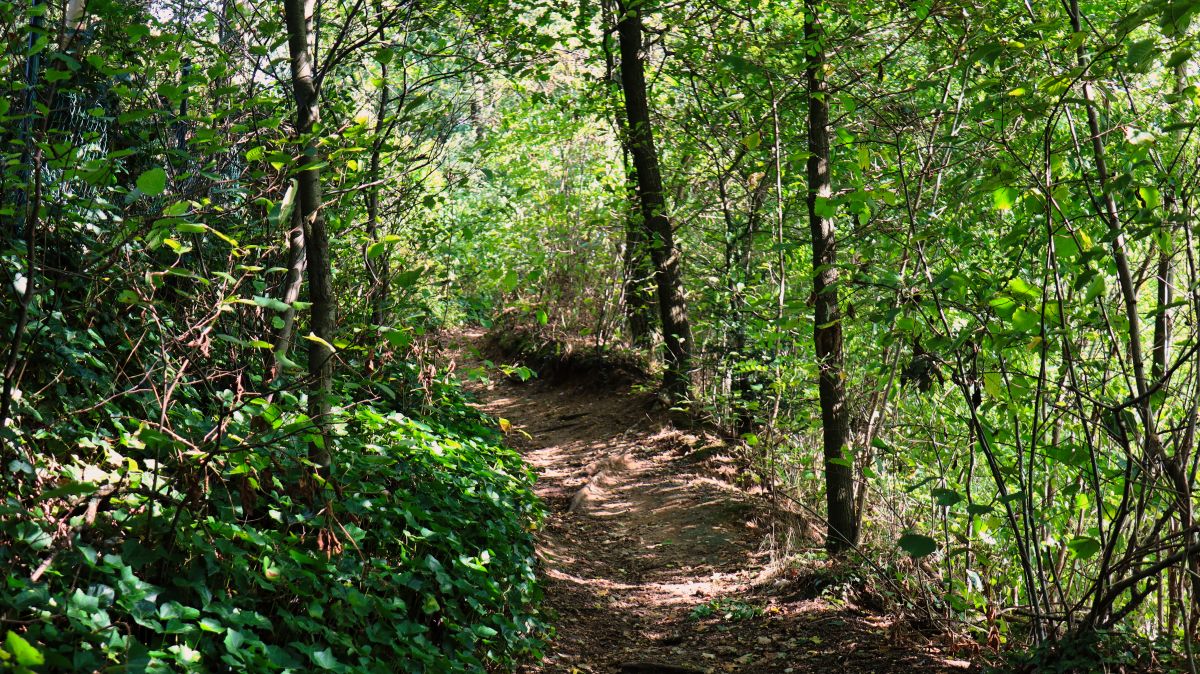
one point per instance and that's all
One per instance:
(654, 563)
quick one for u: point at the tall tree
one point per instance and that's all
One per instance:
(827, 317)
(672, 305)
(298, 14)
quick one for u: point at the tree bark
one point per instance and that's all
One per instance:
(672, 306)
(637, 305)
(297, 14)
(639, 308)
(827, 319)
(292, 285)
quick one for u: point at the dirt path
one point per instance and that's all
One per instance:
(652, 563)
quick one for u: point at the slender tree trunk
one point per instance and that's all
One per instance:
(635, 265)
(291, 288)
(297, 13)
(377, 268)
(1151, 442)
(1164, 274)
(827, 330)
(672, 307)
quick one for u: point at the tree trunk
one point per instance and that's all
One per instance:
(637, 304)
(377, 268)
(297, 13)
(639, 307)
(291, 289)
(827, 328)
(672, 307)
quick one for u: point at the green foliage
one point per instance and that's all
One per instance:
(417, 556)
(725, 609)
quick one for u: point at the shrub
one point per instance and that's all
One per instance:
(415, 555)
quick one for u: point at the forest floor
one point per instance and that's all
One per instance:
(654, 563)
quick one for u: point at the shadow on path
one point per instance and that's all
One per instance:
(638, 537)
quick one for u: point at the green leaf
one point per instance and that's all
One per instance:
(825, 207)
(1026, 321)
(946, 497)
(324, 659)
(152, 182)
(1065, 246)
(1150, 196)
(993, 383)
(271, 303)
(752, 141)
(281, 212)
(917, 546)
(379, 247)
(1019, 288)
(313, 338)
(22, 651)
(1083, 547)
(1004, 198)
(510, 281)
(1140, 53)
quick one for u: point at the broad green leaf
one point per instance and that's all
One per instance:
(1150, 196)
(325, 659)
(1083, 547)
(1026, 321)
(1004, 198)
(152, 182)
(993, 383)
(281, 213)
(510, 281)
(917, 545)
(271, 303)
(946, 497)
(22, 651)
(1065, 247)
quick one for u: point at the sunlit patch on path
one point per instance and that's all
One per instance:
(652, 566)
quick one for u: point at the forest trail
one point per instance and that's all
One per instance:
(653, 565)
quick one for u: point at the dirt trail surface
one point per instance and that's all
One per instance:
(654, 565)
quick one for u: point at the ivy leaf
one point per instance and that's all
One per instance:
(324, 659)
(152, 182)
(917, 546)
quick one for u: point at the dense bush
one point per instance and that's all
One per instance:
(415, 555)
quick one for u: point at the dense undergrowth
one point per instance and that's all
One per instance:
(153, 553)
